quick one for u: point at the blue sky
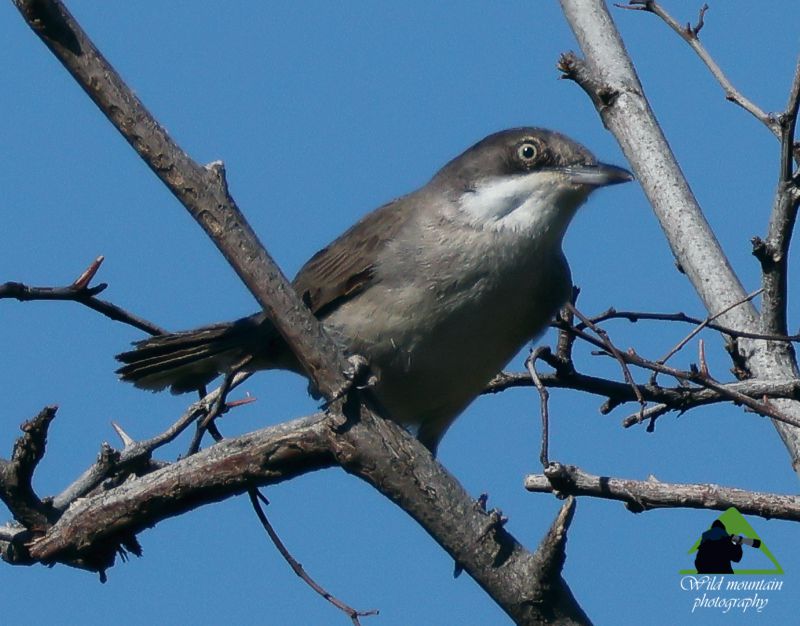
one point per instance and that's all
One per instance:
(321, 113)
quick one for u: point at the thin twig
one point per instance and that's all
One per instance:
(544, 396)
(636, 316)
(632, 358)
(218, 406)
(758, 407)
(255, 499)
(606, 344)
(80, 292)
(705, 323)
(690, 36)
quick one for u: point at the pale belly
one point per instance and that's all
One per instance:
(433, 351)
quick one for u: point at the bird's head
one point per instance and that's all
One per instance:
(524, 178)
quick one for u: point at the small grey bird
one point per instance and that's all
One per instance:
(438, 289)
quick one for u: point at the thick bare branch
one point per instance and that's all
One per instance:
(774, 251)
(390, 459)
(223, 470)
(202, 190)
(644, 495)
(608, 70)
(551, 555)
(370, 448)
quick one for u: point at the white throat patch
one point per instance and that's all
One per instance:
(527, 201)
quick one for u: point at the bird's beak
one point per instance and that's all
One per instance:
(597, 175)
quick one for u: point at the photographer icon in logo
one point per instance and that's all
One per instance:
(718, 549)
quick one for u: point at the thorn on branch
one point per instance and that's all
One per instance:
(127, 440)
(82, 282)
(496, 520)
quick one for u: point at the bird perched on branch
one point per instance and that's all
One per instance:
(438, 289)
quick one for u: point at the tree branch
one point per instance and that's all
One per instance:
(608, 70)
(691, 36)
(256, 500)
(674, 398)
(774, 252)
(375, 450)
(636, 316)
(113, 463)
(16, 475)
(644, 495)
(203, 191)
(80, 291)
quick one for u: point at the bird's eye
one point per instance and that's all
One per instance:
(527, 152)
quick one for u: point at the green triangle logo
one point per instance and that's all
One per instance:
(733, 523)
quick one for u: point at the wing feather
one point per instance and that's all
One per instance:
(346, 267)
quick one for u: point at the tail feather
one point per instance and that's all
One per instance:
(189, 360)
(163, 344)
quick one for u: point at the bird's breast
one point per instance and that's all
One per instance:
(443, 317)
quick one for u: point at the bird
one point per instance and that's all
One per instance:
(437, 290)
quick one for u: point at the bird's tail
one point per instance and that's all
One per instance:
(187, 361)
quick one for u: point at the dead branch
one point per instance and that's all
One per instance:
(79, 291)
(773, 253)
(675, 398)
(609, 346)
(91, 530)
(644, 495)
(16, 475)
(691, 239)
(691, 36)
(636, 316)
(256, 499)
(113, 463)
(202, 190)
(544, 397)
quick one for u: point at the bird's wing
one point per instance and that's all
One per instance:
(346, 267)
